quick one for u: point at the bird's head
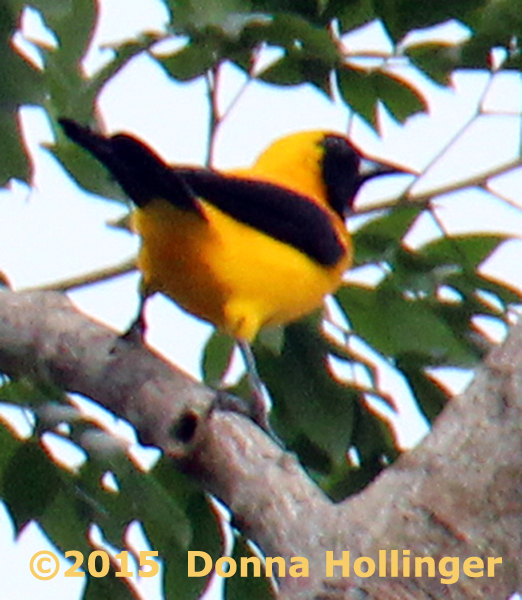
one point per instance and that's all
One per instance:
(321, 164)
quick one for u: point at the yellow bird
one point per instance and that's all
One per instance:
(243, 249)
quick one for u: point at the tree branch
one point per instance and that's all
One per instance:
(457, 494)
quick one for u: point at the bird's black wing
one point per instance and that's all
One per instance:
(277, 211)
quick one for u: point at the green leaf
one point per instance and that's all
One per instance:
(379, 238)
(295, 70)
(140, 497)
(216, 358)
(357, 90)
(431, 396)
(295, 33)
(24, 391)
(435, 60)
(123, 53)
(413, 275)
(109, 587)
(310, 53)
(30, 483)
(308, 10)
(51, 9)
(68, 91)
(395, 325)
(65, 521)
(465, 251)
(401, 16)
(254, 588)
(458, 316)
(375, 444)
(21, 84)
(508, 294)
(399, 97)
(226, 16)
(9, 445)
(351, 13)
(73, 22)
(497, 24)
(152, 503)
(14, 161)
(192, 61)
(312, 11)
(312, 410)
(205, 532)
(361, 90)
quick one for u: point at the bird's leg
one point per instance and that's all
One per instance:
(136, 331)
(260, 402)
(260, 405)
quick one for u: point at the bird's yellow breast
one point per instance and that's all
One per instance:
(229, 273)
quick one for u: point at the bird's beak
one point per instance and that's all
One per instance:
(369, 169)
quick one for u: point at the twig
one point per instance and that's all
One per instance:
(451, 141)
(212, 84)
(217, 118)
(86, 279)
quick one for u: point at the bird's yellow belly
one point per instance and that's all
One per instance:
(227, 273)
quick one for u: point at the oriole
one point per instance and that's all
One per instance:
(242, 249)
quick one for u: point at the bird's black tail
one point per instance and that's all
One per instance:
(142, 174)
